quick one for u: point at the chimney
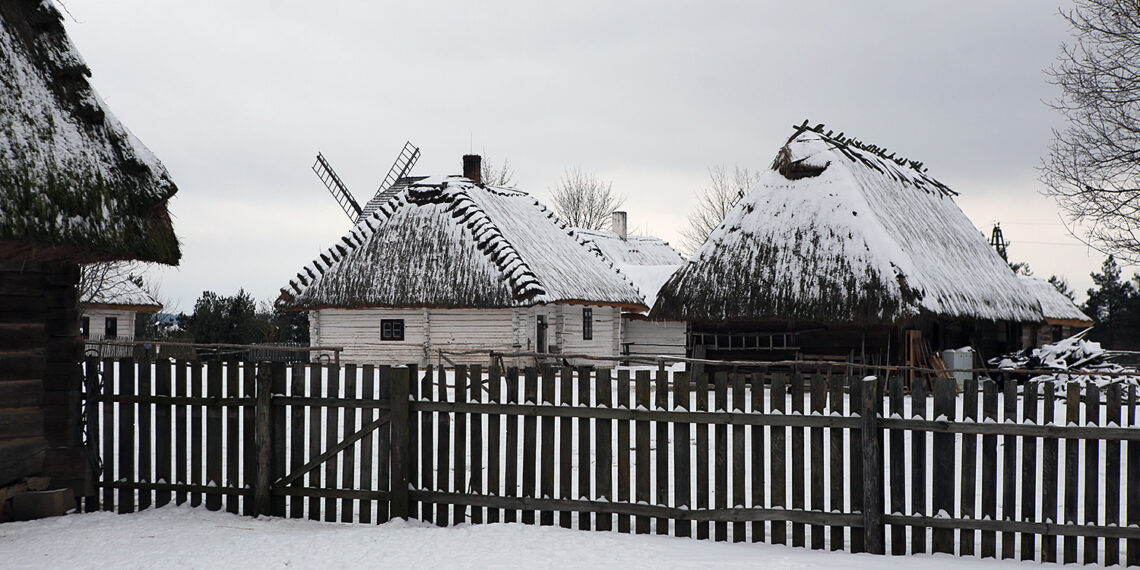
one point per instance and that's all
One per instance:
(473, 167)
(618, 225)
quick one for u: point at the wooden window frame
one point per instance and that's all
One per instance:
(587, 323)
(392, 330)
(110, 328)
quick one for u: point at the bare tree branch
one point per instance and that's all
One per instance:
(502, 176)
(584, 201)
(714, 201)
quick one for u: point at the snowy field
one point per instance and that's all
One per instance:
(182, 537)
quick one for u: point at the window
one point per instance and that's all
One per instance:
(111, 327)
(391, 329)
(85, 326)
(587, 324)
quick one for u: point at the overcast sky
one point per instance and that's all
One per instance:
(236, 98)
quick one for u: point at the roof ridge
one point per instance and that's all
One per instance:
(590, 246)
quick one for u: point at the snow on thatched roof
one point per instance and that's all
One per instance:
(837, 231)
(1057, 308)
(648, 261)
(75, 184)
(122, 294)
(447, 242)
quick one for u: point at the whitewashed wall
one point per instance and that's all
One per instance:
(98, 317)
(654, 338)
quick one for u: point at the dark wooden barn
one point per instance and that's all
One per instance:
(75, 187)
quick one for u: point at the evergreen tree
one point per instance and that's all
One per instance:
(1110, 304)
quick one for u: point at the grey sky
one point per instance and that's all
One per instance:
(237, 97)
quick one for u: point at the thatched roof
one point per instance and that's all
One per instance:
(840, 232)
(448, 242)
(1057, 308)
(122, 294)
(646, 260)
(75, 184)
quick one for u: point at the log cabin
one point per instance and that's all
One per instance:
(75, 187)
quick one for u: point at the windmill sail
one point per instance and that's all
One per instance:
(403, 165)
(337, 188)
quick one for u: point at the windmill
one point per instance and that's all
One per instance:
(400, 168)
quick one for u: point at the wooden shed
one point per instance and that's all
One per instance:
(75, 187)
(844, 250)
(448, 267)
(1062, 317)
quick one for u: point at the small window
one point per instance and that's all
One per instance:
(85, 326)
(111, 327)
(587, 324)
(391, 329)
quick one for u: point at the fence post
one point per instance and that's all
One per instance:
(873, 531)
(263, 441)
(401, 445)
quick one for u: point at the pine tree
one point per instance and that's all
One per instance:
(1109, 302)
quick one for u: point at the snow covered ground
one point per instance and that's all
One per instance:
(182, 537)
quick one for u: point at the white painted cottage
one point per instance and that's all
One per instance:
(648, 261)
(448, 267)
(110, 313)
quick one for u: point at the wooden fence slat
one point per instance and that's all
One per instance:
(623, 450)
(476, 486)
(443, 448)
(1049, 473)
(412, 431)
(400, 390)
(110, 465)
(213, 450)
(720, 454)
(898, 464)
(682, 488)
(332, 436)
(163, 432)
(126, 447)
(799, 468)
(603, 478)
(146, 435)
(818, 397)
(233, 438)
(566, 446)
(969, 472)
(702, 388)
(316, 390)
(367, 443)
(854, 401)
(835, 452)
(1112, 474)
(1072, 468)
(872, 443)
(494, 453)
(661, 449)
(196, 390)
(297, 437)
(1092, 467)
(945, 396)
(759, 453)
(263, 442)
(739, 500)
(459, 445)
(1009, 464)
(1028, 474)
(1132, 491)
(584, 453)
(279, 386)
(512, 422)
(348, 455)
(547, 453)
(427, 442)
(919, 483)
(385, 445)
(249, 450)
(777, 459)
(641, 461)
(530, 442)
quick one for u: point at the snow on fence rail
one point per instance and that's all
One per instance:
(835, 461)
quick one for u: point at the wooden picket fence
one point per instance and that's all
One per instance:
(834, 461)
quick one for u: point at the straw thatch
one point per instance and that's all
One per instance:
(1055, 307)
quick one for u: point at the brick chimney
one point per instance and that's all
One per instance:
(473, 167)
(619, 225)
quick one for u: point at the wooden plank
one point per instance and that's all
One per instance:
(384, 449)
(1112, 474)
(367, 444)
(427, 443)
(249, 450)
(625, 523)
(162, 432)
(738, 477)
(835, 453)
(512, 452)
(413, 462)
(530, 443)
(316, 390)
(603, 447)
(214, 385)
(969, 477)
(854, 402)
(759, 453)
(110, 464)
(443, 449)
(1048, 473)
(1028, 474)
(348, 456)
(233, 438)
(263, 442)
(566, 445)
(777, 458)
(297, 439)
(145, 435)
(1009, 464)
(584, 454)
(682, 489)
(280, 422)
(547, 452)
(818, 396)
(799, 466)
(871, 436)
(720, 455)
(332, 437)
(945, 396)
(1072, 468)
(641, 463)
(661, 448)
(1132, 492)
(494, 453)
(475, 387)
(1092, 467)
(401, 444)
(898, 464)
(919, 483)
(92, 382)
(459, 444)
(196, 390)
(126, 447)
(702, 498)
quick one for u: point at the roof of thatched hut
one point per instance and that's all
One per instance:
(450, 242)
(1056, 307)
(840, 232)
(75, 184)
(648, 261)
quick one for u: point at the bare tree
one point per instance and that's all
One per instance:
(714, 201)
(1093, 167)
(502, 176)
(585, 201)
(97, 279)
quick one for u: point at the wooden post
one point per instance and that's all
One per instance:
(263, 441)
(872, 482)
(401, 446)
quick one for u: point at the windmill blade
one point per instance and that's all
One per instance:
(337, 188)
(400, 168)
